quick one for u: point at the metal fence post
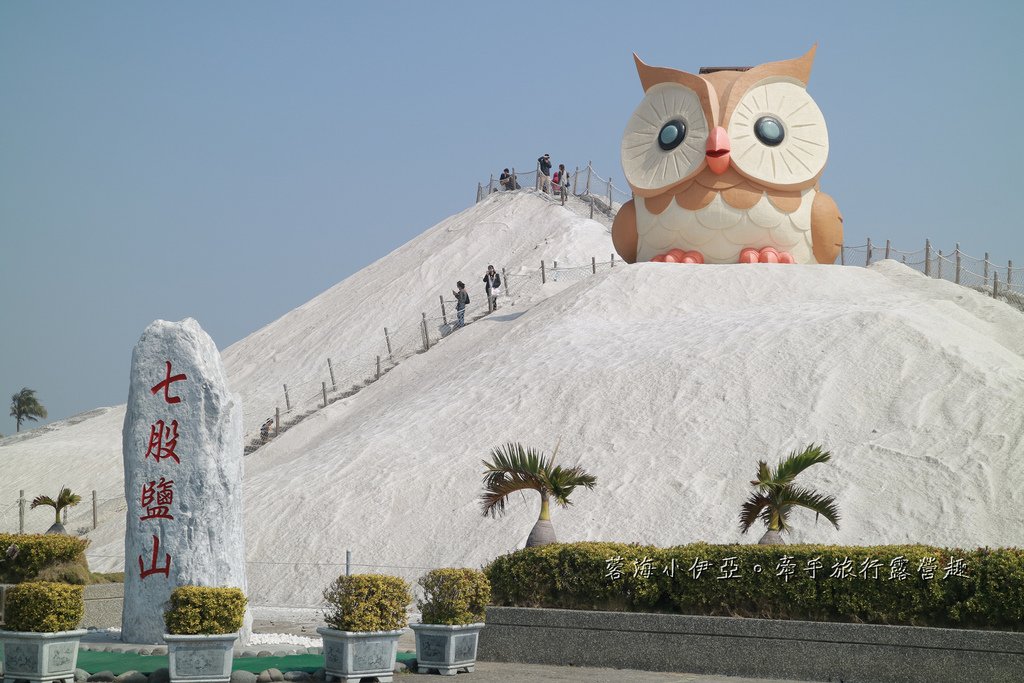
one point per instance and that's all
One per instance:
(957, 279)
(426, 337)
(323, 388)
(543, 278)
(888, 246)
(378, 367)
(287, 401)
(927, 257)
(938, 263)
(867, 261)
(334, 386)
(593, 265)
(387, 340)
(277, 420)
(995, 284)
(444, 314)
(95, 510)
(1009, 273)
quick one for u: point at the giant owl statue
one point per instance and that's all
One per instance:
(724, 168)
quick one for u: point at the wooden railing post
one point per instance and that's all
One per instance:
(95, 510)
(426, 337)
(574, 177)
(387, 340)
(593, 265)
(927, 257)
(444, 314)
(613, 259)
(543, 278)
(867, 261)
(957, 278)
(334, 385)
(277, 420)
(1009, 273)
(842, 254)
(378, 367)
(287, 401)
(21, 511)
(323, 388)
(985, 266)
(995, 284)
(888, 245)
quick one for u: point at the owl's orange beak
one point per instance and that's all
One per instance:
(718, 149)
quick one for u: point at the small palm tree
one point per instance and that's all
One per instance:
(514, 468)
(25, 406)
(64, 500)
(775, 495)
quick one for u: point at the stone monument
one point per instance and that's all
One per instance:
(182, 444)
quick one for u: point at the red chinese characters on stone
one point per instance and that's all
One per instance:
(162, 441)
(157, 499)
(165, 384)
(153, 568)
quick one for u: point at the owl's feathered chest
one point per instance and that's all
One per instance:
(721, 221)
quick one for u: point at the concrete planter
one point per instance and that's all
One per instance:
(353, 655)
(200, 658)
(40, 657)
(446, 648)
(755, 648)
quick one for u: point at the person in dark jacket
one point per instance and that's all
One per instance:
(545, 173)
(505, 180)
(492, 283)
(461, 301)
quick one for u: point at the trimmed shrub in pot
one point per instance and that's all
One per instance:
(453, 613)
(39, 637)
(202, 627)
(365, 616)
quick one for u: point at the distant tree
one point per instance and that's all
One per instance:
(515, 468)
(25, 406)
(64, 500)
(775, 495)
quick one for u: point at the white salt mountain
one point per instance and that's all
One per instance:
(182, 443)
(666, 381)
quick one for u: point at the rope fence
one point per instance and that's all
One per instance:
(583, 183)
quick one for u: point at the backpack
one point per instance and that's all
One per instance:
(554, 178)
(467, 298)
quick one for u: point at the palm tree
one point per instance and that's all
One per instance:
(775, 495)
(64, 500)
(25, 406)
(514, 468)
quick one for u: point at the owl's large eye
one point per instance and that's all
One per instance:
(665, 138)
(778, 134)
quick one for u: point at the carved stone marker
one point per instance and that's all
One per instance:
(182, 444)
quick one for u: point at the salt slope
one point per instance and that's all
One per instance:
(667, 382)
(511, 230)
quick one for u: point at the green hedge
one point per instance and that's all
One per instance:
(37, 552)
(367, 602)
(616, 576)
(43, 607)
(210, 610)
(454, 596)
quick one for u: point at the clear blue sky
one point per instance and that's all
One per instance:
(231, 160)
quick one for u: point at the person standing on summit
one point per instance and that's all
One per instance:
(543, 178)
(492, 283)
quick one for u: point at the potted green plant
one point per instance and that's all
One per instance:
(365, 615)
(202, 627)
(40, 641)
(453, 613)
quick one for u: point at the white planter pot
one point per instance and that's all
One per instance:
(352, 655)
(40, 657)
(201, 658)
(446, 648)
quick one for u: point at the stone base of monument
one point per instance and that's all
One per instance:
(353, 655)
(446, 648)
(40, 657)
(200, 658)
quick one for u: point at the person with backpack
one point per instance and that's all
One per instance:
(544, 176)
(461, 301)
(560, 181)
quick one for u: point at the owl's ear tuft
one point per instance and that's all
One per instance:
(641, 69)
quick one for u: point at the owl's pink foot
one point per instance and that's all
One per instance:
(679, 256)
(766, 255)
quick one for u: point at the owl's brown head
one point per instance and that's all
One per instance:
(761, 122)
